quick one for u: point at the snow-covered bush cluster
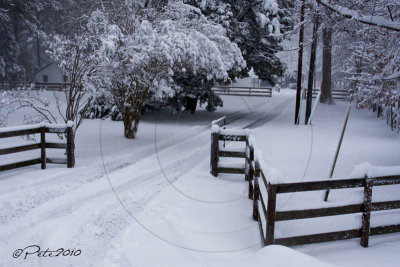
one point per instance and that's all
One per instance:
(385, 103)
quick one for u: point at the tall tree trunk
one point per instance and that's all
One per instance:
(139, 112)
(326, 84)
(311, 71)
(38, 43)
(127, 118)
(131, 114)
(300, 63)
(191, 104)
(38, 50)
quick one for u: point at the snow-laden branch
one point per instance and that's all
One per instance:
(394, 76)
(354, 15)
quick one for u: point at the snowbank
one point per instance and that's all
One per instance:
(277, 256)
(369, 170)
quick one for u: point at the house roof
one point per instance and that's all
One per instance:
(46, 66)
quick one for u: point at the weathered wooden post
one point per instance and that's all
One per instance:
(251, 172)
(43, 147)
(366, 217)
(256, 194)
(70, 146)
(214, 150)
(271, 213)
(247, 161)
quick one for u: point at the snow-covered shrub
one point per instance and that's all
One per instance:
(213, 101)
(385, 102)
(102, 107)
(142, 56)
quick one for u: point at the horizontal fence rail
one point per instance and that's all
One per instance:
(336, 94)
(33, 86)
(41, 129)
(243, 91)
(264, 204)
(272, 216)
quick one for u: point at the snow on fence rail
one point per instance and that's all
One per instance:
(220, 122)
(263, 191)
(272, 216)
(41, 129)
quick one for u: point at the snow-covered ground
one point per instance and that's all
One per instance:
(152, 202)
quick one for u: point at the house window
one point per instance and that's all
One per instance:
(45, 78)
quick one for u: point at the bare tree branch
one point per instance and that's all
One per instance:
(369, 20)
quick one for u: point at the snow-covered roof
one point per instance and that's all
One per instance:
(45, 67)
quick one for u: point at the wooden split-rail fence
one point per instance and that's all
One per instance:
(336, 94)
(220, 134)
(42, 129)
(242, 91)
(264, 193)
(33, 86)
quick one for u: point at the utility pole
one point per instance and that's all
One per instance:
(311, 71)
(300, 62)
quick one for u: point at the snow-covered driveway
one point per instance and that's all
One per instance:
(161, 189)
(152, 201)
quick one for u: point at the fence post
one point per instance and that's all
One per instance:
(247, 161)
(366, 216)
(214, 153)
(70, 147)
(271, 212)
(43, 147)
(256, 194)
(251, 172)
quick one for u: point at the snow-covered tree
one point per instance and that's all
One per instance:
(256, 26)
(367, 46)
(141, 55)
(78, 60)
(17, 19)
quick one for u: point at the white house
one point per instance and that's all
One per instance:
(50, 73)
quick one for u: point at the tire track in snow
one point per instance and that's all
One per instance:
(98, 210)
(101, 215)
(54, 185)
